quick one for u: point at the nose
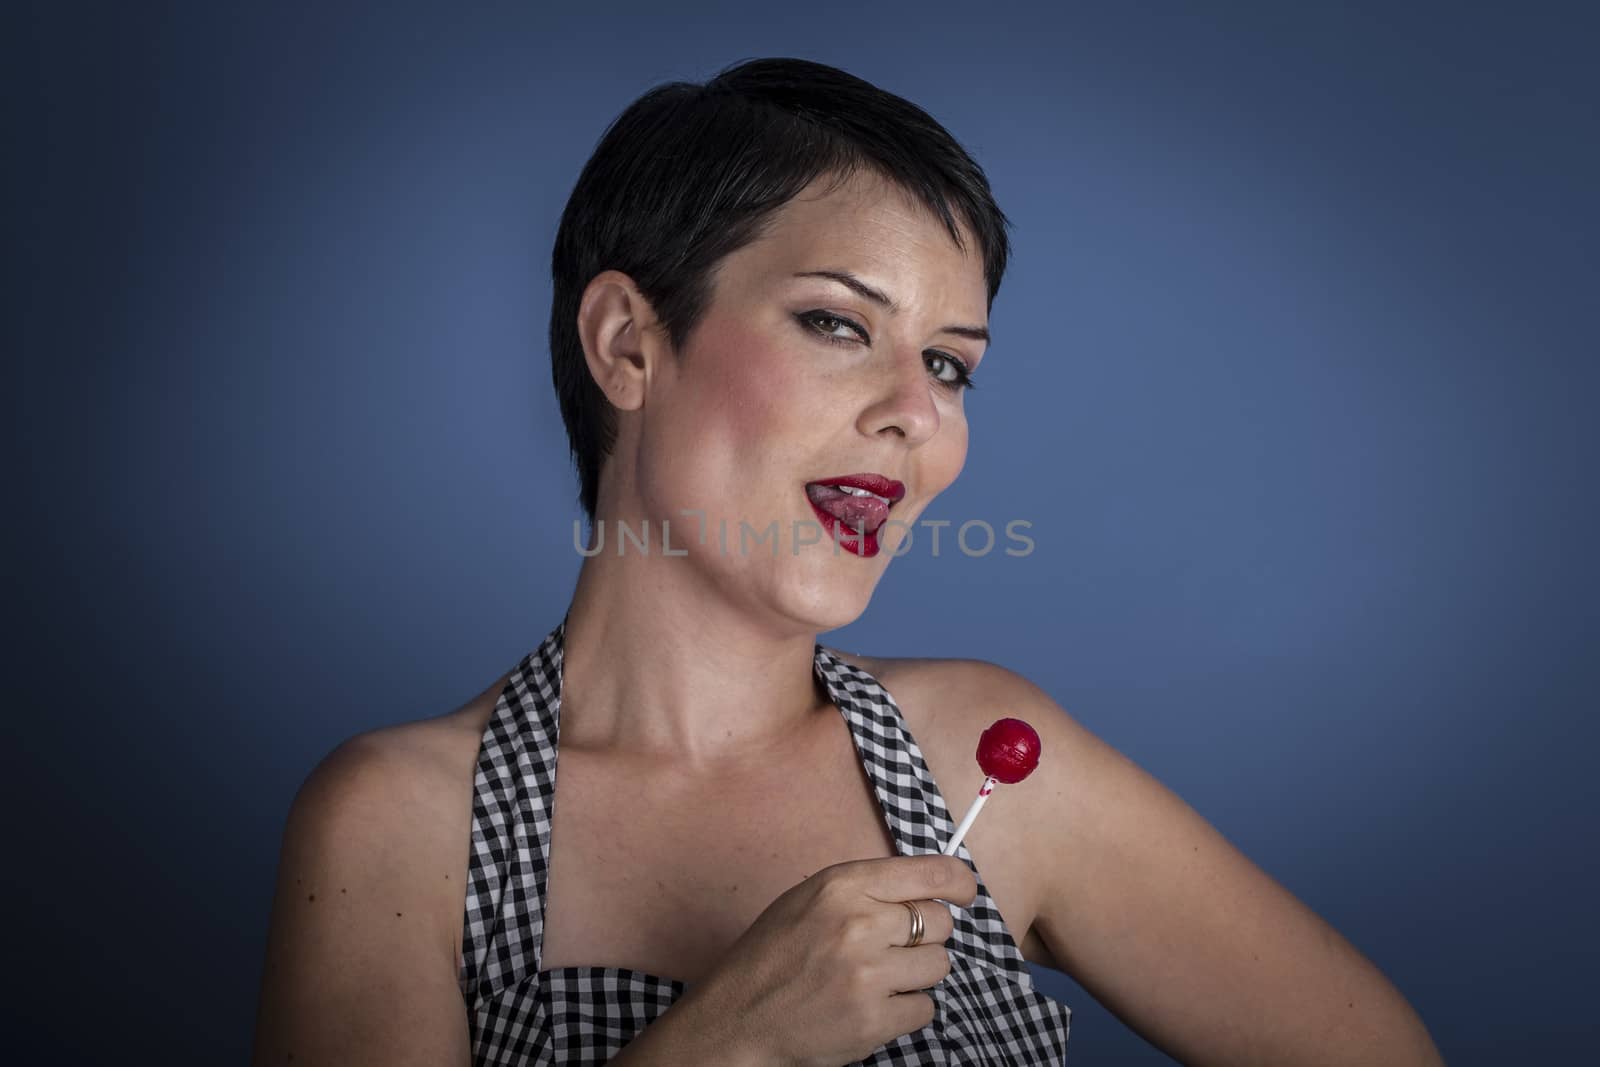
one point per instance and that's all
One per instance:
(903, 401)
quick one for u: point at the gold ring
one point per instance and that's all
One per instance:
(916, 924)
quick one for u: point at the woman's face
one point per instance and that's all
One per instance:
(793, 379)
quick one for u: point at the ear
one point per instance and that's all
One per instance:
(617, 327)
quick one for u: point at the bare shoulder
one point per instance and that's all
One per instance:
(1142, 900)
(1084, 800)
(370, 893)
(949, 703)
(398, 795)
(382, 796)
(952, 701)
(907, 667)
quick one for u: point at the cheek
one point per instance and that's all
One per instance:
(759, 390)
(948, 452)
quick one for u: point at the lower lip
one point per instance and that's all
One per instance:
(845, 536)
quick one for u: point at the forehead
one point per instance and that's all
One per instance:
(871, 227)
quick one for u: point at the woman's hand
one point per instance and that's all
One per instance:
(823, 976)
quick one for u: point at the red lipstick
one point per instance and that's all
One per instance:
(852, 507)
(872, 483)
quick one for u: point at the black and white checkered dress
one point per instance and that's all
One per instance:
(988, 1011)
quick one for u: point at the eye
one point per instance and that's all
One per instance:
(824, 323)
(948, 371)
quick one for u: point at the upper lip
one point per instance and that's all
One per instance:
(876, 484)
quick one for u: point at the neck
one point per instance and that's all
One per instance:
(660, 663)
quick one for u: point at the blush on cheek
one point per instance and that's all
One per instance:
(756, 384)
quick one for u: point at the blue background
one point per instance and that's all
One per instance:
(1293, 373)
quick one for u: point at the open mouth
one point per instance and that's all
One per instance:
(853, 507)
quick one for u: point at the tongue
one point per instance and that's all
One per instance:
(854, 511)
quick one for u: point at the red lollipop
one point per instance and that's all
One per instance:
(1008, 751)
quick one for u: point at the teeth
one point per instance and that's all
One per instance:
(853, 491)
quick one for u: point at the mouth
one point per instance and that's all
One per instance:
(852, 507)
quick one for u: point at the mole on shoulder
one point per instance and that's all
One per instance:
(397, 915)
(313, 896)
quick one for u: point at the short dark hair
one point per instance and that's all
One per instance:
(689, 173)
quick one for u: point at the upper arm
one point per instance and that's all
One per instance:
(360, 962)
(1178, 933)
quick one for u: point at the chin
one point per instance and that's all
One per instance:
(830, 596)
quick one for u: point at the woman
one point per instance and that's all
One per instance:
(771, 292)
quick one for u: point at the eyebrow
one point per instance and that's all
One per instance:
(845, 278)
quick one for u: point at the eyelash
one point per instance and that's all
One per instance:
(963, 378)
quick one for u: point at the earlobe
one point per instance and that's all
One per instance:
(613, 322)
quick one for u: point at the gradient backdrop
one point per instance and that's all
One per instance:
(1293, 374)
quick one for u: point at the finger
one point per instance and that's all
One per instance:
(937, 922)
(909, 1012)
(895, 924)
(916, 877)
(922, 967)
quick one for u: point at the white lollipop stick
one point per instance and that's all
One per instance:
(972, 813)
